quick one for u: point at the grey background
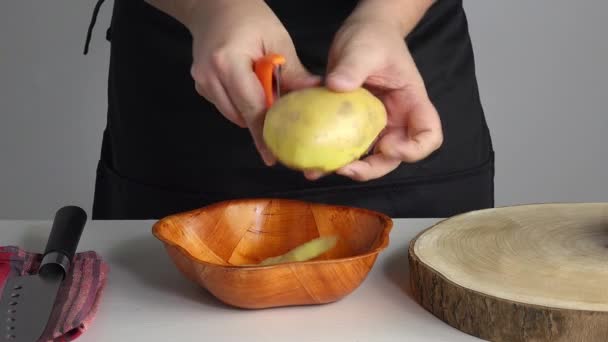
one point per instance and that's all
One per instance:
(541, 68)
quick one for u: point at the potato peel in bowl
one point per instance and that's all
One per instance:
(303, 252)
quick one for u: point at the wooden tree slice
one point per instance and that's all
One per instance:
(524, 273)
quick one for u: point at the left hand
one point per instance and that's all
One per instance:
(373, 54)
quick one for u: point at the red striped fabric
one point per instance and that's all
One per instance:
(79, 295)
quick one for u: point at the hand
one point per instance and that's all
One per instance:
(228, 36)
(373, 54)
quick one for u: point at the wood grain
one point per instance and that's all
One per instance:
(215, 246)
(523, 273)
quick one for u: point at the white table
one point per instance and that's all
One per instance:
(148, 300)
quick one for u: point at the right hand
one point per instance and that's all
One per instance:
(228, 36)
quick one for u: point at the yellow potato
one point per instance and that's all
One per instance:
(304, 252)
(318, 129)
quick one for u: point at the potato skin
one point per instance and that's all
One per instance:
(319, 129)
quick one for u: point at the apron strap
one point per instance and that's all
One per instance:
(92, 24)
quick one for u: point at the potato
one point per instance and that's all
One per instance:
(319, 129)
(304, 252)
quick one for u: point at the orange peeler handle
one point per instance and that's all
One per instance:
(266, 70)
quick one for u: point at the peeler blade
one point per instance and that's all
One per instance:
(277, 81)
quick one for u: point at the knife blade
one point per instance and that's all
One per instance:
(27, 301)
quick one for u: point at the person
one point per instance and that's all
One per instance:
(185, 108)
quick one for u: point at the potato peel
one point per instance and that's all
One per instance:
(304, 252)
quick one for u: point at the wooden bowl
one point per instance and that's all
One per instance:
(215, 246)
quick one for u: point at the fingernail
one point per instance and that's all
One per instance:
(312, 175)
(346, 172)
(315, 79)
(339, 82)
(269, 161)
(308, 81)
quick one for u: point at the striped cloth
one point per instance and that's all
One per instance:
(78, 296)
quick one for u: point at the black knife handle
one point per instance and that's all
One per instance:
(65, 235)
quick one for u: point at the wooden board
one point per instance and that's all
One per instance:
(524, 273)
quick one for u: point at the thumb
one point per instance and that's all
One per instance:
(350, 69)
(294, 75)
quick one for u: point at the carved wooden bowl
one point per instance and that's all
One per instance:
(218, 246)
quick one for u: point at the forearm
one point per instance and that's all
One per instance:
(192, 13)
(179, 9)
(403, 14)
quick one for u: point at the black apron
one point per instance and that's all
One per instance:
(165, 149)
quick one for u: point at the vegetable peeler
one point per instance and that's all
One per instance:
(268, 71)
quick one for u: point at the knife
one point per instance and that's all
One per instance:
(27, 301)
